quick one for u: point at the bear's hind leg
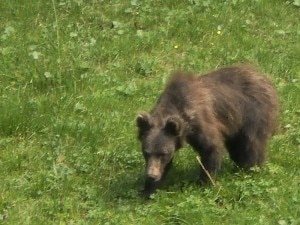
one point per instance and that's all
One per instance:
(245, 152)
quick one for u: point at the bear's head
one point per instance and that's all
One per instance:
(160, 138)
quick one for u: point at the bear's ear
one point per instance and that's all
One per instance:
(173, 126)
(143, 123)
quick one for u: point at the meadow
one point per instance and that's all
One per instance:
(75, 73)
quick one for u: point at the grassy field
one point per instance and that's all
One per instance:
(74, 74)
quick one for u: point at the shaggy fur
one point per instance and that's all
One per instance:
(234, 108)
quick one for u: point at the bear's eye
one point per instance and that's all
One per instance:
(161, 155)
(146, 154)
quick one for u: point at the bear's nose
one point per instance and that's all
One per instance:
(153, 170)
(152, 177)
(153, 174)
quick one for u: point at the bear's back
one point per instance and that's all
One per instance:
(232, 96)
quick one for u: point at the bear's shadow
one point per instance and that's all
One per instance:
(128, 185)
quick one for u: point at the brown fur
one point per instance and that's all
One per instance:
(234, 107)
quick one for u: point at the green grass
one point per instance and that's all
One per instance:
(74, 74)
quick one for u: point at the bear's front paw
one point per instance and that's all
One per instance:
(146, 193)
(206, 179)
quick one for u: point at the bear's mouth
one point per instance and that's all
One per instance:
(153, 175)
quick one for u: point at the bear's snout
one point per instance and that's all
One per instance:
(154, 170)
(153, 175)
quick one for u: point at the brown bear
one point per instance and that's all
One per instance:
(234, 108)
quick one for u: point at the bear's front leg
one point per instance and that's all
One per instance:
(209, 149)
(210, 159)
(151, 185)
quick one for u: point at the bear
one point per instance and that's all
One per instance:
(234, 108)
